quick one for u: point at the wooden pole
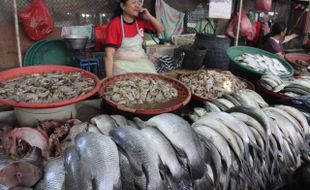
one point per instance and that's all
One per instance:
(239, 20)
(17, 35)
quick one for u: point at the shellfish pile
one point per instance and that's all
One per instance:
(47, 87)
(210, 84)
(136, 90)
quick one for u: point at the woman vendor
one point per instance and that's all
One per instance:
(276, 38)
(124, 52)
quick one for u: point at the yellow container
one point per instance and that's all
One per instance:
(30, 117)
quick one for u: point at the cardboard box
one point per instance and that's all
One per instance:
(161, 49)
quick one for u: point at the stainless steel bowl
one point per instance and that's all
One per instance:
(75, 42)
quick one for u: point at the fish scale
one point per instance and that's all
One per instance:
(54, 175)
(100, 156)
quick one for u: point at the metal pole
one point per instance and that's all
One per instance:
(17, 35)
(239, 20)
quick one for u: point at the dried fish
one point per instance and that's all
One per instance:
(211, 84)
(137, 90)
(47, 87)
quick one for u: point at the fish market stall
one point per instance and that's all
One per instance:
(207, 116)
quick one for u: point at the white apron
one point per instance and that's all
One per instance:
(130, 57)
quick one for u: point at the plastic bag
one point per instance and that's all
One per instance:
(246, 27)
(100, 36)
(263, 5)
(37, 20)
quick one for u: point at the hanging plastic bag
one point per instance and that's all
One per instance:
(37, 20)
(246, 27)
(263, 5)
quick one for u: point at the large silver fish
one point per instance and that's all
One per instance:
(140, 154)
(297, 115)
(218, 141)
(224, 131)
(168, 156)
(130, 180)
(100, 156)
(182, 136)
(72, 167)
(104, 123)
(54, 175)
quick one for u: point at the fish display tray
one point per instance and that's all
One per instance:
(248, 73)
(29, 70)
(271, 95)
(202, 99)
(184, 95)
(292, 58)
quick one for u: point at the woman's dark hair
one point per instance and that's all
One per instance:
(276, 29)
(119, 11)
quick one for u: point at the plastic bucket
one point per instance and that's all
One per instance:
(30, 117)
(194, 57)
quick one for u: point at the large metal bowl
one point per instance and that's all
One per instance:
(76, 42)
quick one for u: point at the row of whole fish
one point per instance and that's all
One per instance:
(262, 63)
(293, 88)
(245, 147)
(244, 97)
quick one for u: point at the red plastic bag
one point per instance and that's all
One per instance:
(100, 36)
(37, 20)
(263, 5)
(246, 27)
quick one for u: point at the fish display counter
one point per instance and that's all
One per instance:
(234, 140)
(214, 151)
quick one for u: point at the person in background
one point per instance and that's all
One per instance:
(276, 38)
(123, 44)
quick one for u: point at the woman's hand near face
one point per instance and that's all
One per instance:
(146, 14)
(150, 18)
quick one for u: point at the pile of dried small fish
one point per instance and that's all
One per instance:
(293, 88)
(262, 63)
(133, 91)
(46, 88)
(210, 84)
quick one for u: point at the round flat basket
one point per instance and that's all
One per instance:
(181, 100)
(203, 99)
(29, 70)
(294, 58)
(247, 72)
